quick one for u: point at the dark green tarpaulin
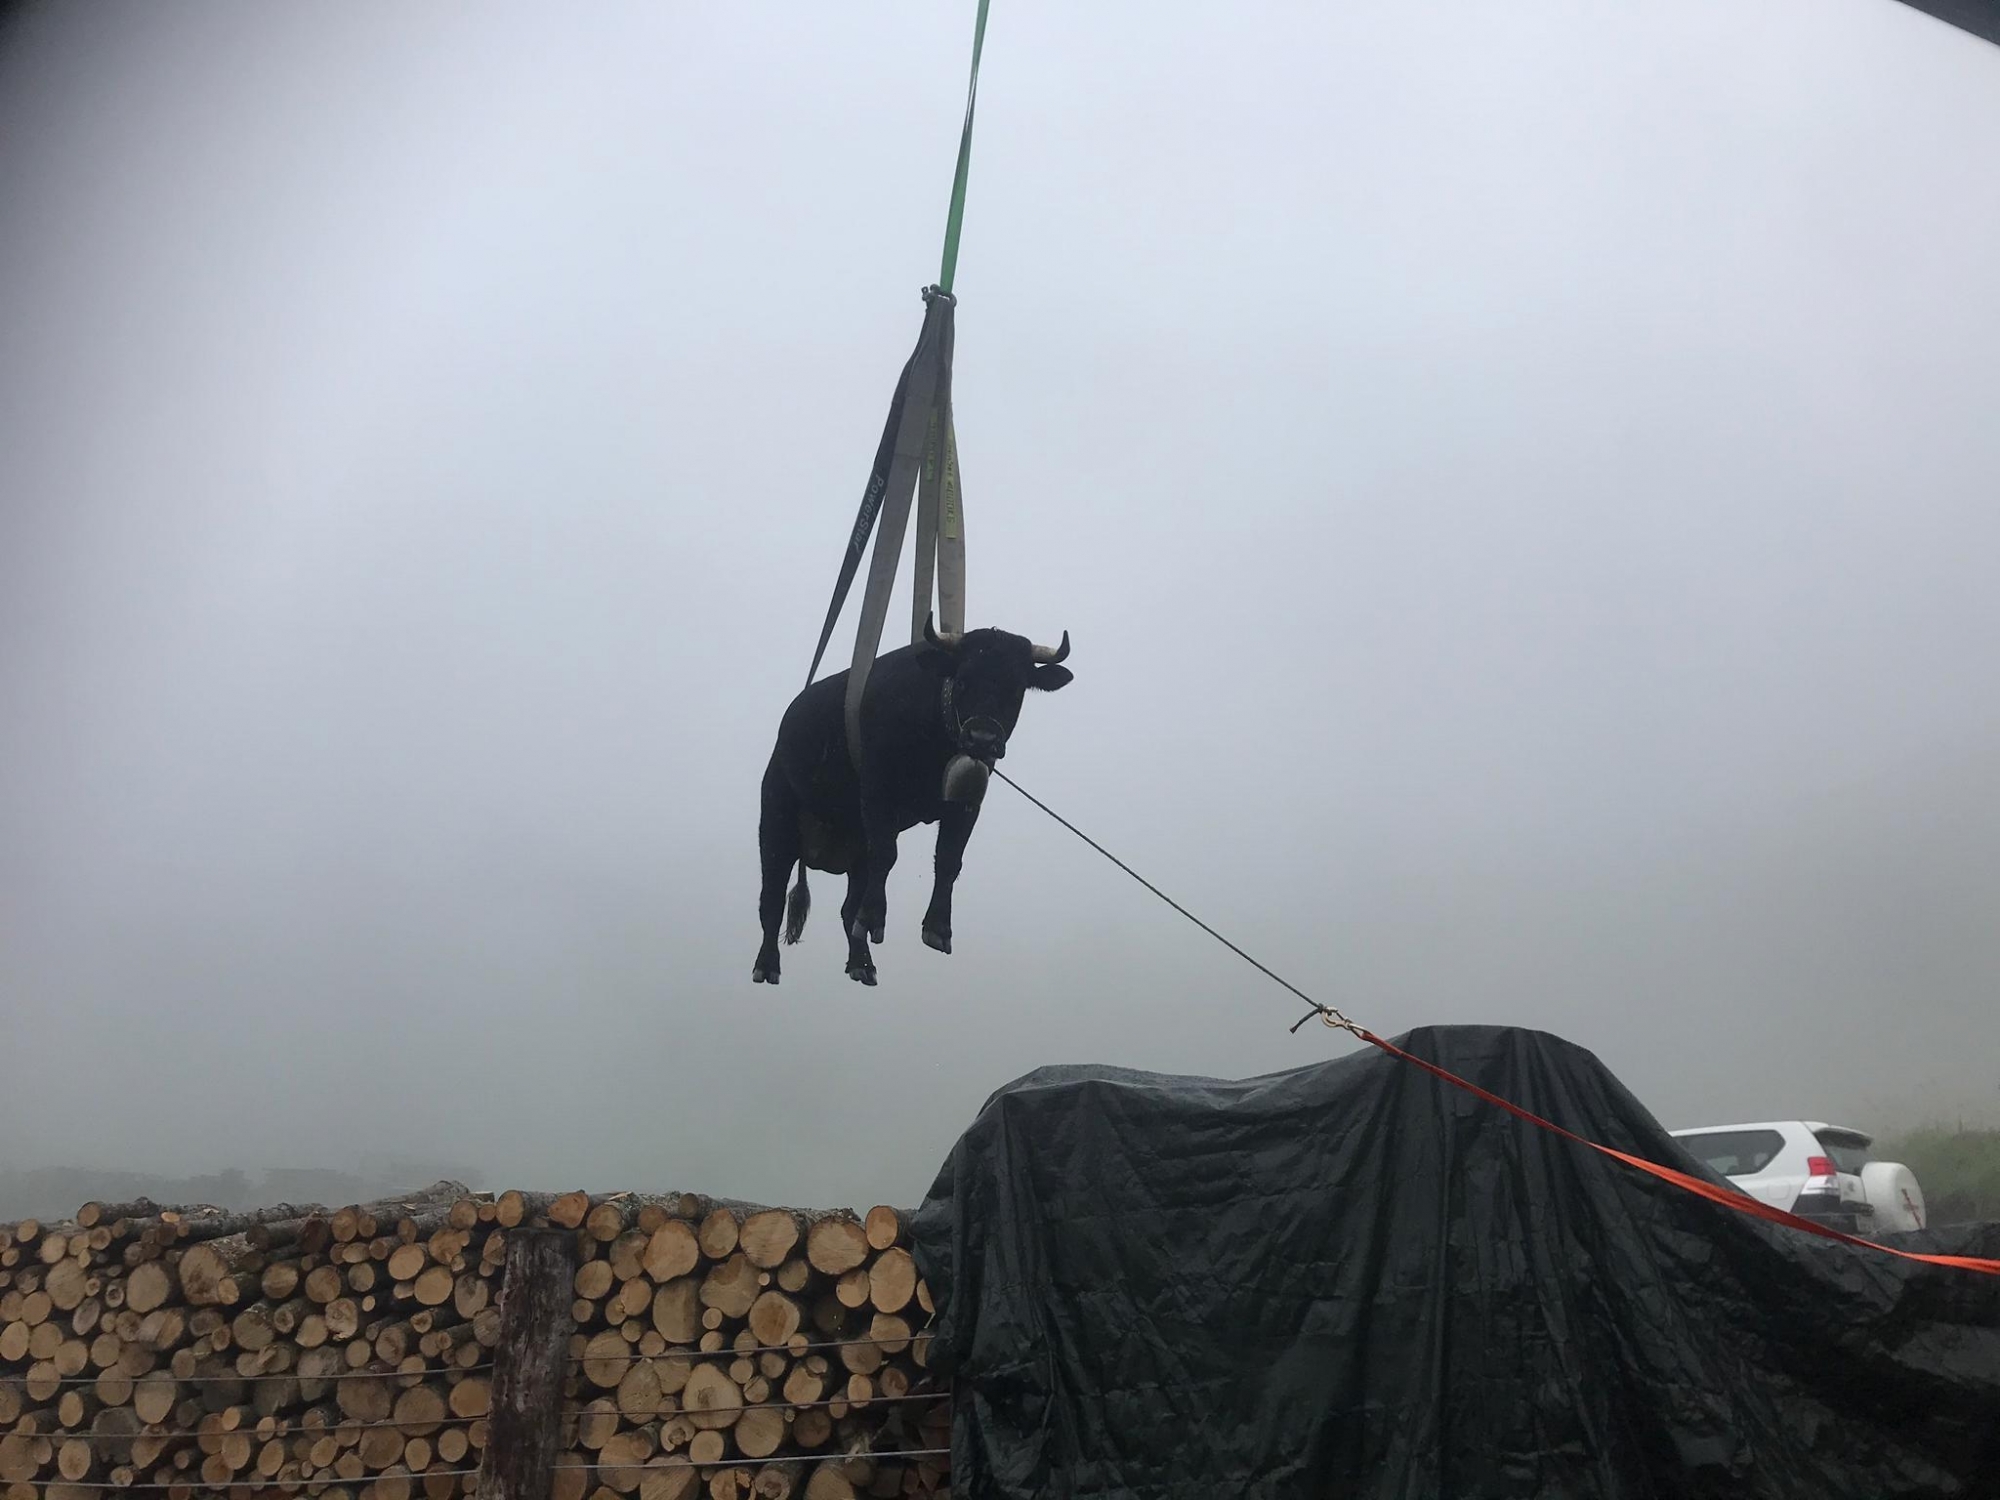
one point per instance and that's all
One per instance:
(1980, 17)
(1354, 1281)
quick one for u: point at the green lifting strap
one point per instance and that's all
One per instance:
(956, 218)
(918, 439)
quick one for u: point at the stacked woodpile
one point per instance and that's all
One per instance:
(720, 1349)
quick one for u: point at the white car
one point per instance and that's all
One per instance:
(1818, 1171)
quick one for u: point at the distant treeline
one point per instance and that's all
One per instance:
(57, 1192)
(1959, 1171)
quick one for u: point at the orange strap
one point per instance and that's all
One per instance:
(1727, 1197)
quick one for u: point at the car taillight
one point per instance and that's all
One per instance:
(1820, 1166)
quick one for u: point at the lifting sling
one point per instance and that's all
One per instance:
(917, 459)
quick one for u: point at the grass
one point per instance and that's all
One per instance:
(1959, 1171)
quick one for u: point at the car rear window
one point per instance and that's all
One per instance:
(1735, 1153)
(1849, 1152)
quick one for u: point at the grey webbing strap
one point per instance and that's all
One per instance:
(951, 535)
(864, 520)
(930, 497)
(919, 401)
(928, 488)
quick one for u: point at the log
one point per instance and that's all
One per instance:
(707, 1447)
(759, 1431)
(640, 1397)
(606, 1221)
(148, 1287)
(435, 1286)
(419, 1412)
(890, 1333)
(892, 1280)
(861, 1358)
(594, 1279)
(773, 1319)
(154, 1398)
(67, 1285)
(366, 1400)
(94, 1213)
(803, 1386)
(514, 1208)
(215, 1226)
(829, 1482)
(677, 1311)
(627, 1255)
(767, 1237)
(520, 1454)
(718, 1233)
(673, 1250)
(324, 1283)
(883, 1226)
(836, 1245)
(710, 1398)
(305, 1231)
(730, 1287)
(620, 1461)
(379, 1448)
(633, 1299)
(606, 1359)
(304, 1362)
(343, 1319)
(669, 1479)
(597, 1423)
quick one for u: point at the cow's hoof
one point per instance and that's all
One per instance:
(862, 975)
(758, 976)
(938, 940)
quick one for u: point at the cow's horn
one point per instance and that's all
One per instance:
(1046, 657)
(950, 640)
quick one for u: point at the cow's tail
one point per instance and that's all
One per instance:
(798, 908)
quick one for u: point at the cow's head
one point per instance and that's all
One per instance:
(991, 671)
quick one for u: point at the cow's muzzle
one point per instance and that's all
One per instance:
(983, 739)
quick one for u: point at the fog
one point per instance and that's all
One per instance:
(1519, 482)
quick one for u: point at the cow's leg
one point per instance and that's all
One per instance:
(860, 962)
(777, 850)
(880, 832)
(954, 828)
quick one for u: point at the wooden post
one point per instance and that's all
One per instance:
(528, 1364)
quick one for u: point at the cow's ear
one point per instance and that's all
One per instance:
(1048, 679)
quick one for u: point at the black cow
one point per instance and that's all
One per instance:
(931, 712)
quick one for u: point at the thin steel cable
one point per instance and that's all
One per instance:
(776, 1458)
(288, 1429)
(848, 1401)
(201, 1486)
(260, 1482)
(682, 1351)
(285, 1375)
(1329, 1013)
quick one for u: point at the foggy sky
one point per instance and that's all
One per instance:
(1519, 481)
